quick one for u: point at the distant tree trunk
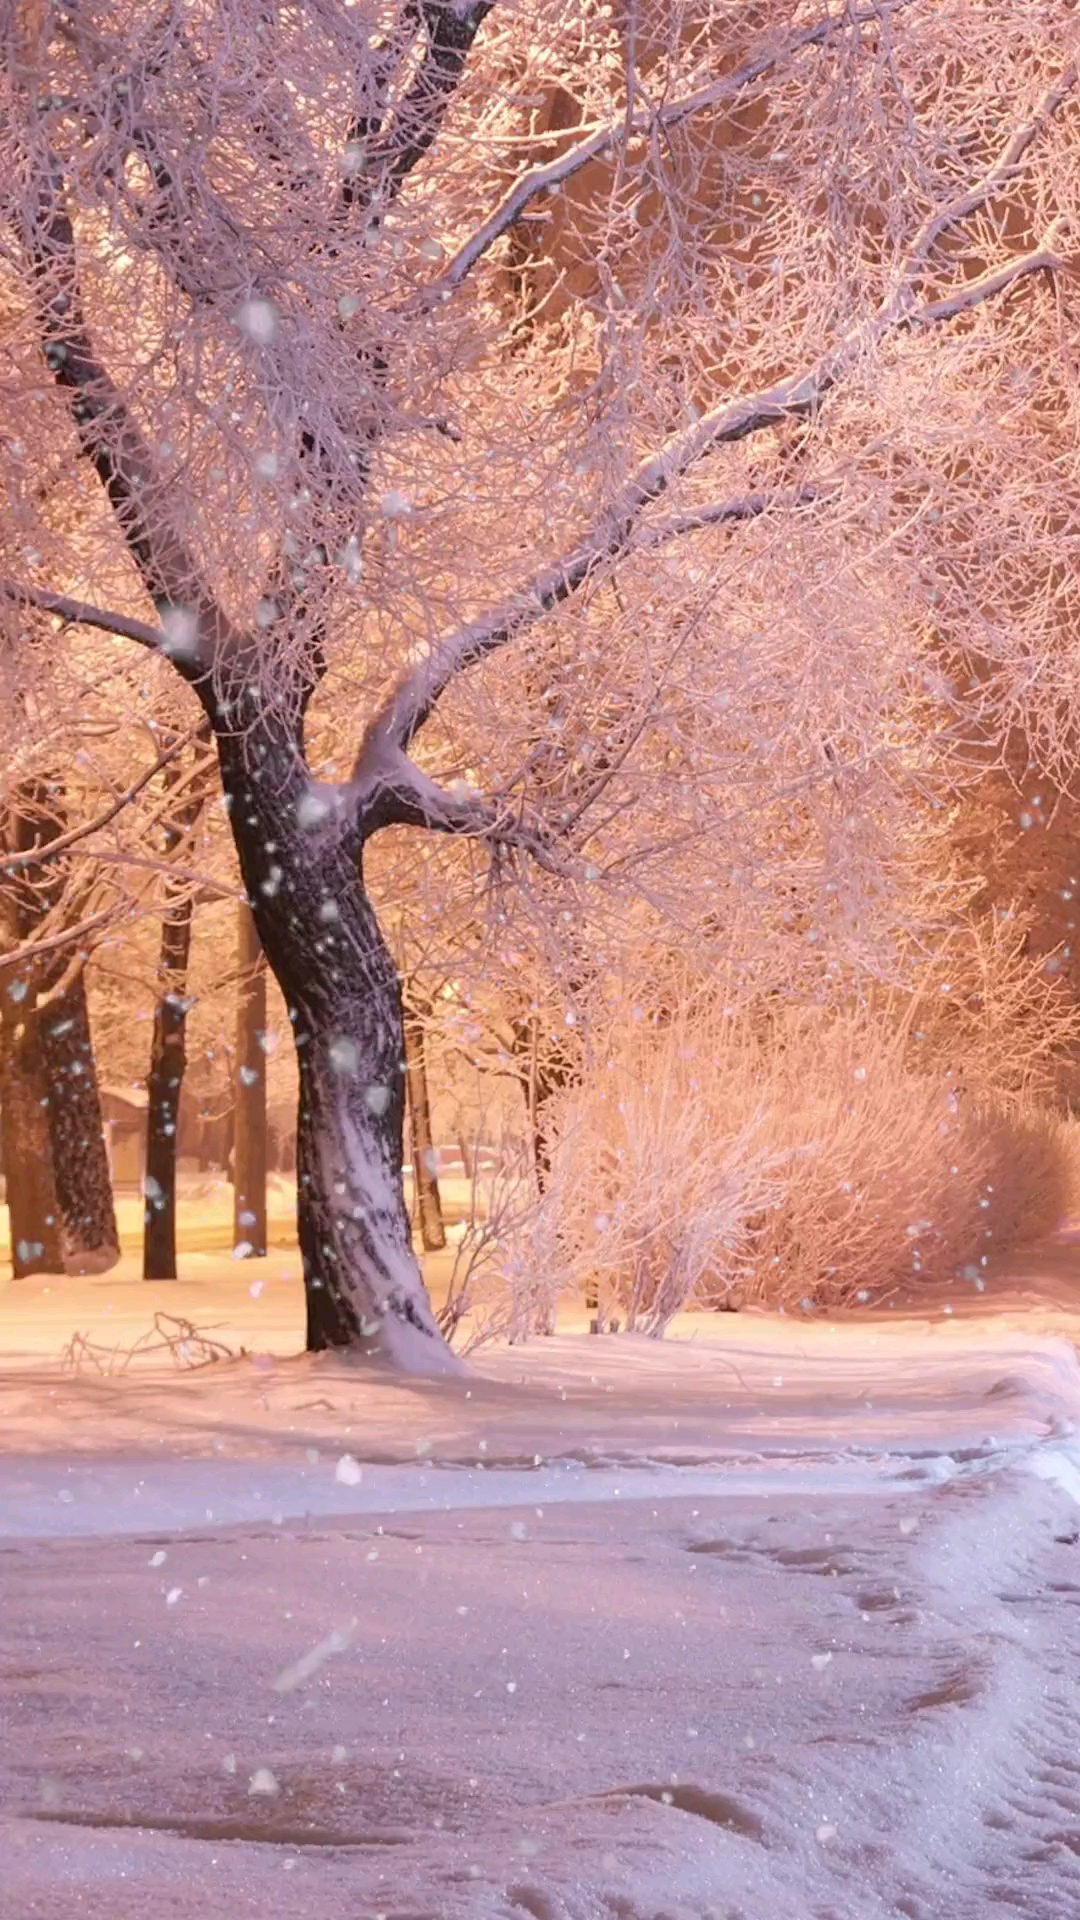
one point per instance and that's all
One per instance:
(425, 1176)
(168, 1051)
(50, 1049)
(168, 1059)
(249, 1146)
(33, 1211)
(80, 1161)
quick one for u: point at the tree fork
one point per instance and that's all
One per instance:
(301, 857)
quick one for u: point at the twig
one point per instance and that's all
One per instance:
(187, 1346)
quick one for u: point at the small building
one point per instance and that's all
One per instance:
(123, 1113)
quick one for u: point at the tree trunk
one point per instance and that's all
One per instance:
(80, 1161)
(303, 873)
(168, 1060)
(50, 1050)
(33, 1211)
(425, 1176)
(249, 1141)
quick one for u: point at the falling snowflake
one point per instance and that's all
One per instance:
(258, 319)
(344, 1054)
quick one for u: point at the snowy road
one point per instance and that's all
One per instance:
(808, 1675)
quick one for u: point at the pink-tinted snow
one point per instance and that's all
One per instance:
(773, 1621)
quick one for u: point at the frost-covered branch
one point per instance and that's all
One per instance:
(79, 613)
(13, 863)
(389, 789)
(795, 396)
(108, 435)
(544, 179)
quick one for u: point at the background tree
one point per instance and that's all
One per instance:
(186, 790)
(249, 1132)
(50, 1072)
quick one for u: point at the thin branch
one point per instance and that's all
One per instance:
(417, 692)
(79, 613)
(50, 944)
(49, 996)
(751, 506)
(795, 397)
(208, 888)
(12, 863)
(543, 179)
(987, 285)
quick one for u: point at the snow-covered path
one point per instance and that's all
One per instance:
(784, 1631)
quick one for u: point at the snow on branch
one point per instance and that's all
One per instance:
(796, 396)
(544, 179)
(53, 849)
(109, 437)
(389, 789)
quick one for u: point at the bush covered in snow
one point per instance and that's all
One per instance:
(808, 1156)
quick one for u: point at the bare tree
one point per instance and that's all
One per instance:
(258, 251)
(33, 1210)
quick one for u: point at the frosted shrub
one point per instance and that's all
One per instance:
(798, 1157)
(894, 1175)
(650, 1209)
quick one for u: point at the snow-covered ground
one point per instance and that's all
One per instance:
(773, 1620)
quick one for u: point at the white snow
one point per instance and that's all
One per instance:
(775, 1620)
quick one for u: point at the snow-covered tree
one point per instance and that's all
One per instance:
(612, 471)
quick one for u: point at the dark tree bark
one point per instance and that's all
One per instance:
(55, 1026)
(301, 856)
(250, 1139)
(168, 1060)
(80, 1162)
(33, 1212)
(425, 1177)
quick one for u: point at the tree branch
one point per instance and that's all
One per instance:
(79, 613)
(799, 395)
(379, 171)
(416, 694)
(50, 944)
(751, 506)
(205, 885)
(12, 863)
(391, 790)
(543, 179)
(986, 286)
